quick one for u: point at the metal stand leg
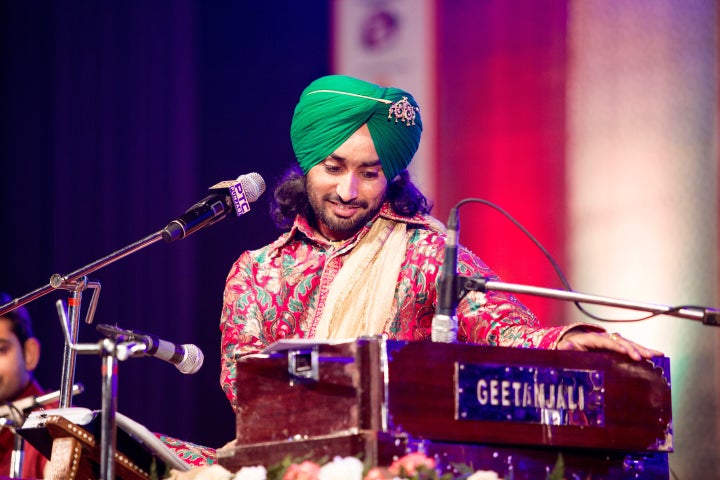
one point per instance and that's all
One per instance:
(68, 372)
(16, 459)
(108, 349)
(108, 434)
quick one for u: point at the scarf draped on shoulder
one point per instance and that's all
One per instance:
(360, 300)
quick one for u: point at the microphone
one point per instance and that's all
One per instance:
(445, 323)
(225, 196)
(187, 358)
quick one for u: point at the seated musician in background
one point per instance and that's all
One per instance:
(19, 356)
(362, 255)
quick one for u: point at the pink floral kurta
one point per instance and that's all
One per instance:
(278, 291)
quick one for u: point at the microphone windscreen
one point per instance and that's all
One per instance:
(253, 185)
(192, 361)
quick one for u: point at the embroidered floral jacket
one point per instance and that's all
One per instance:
(275, 292)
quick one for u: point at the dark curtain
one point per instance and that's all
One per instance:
(116, 117)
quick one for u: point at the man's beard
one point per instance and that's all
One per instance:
(337, 224)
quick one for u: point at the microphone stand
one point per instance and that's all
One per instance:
(111, 352)
(76, 282)
(17, 457)
(708, 316)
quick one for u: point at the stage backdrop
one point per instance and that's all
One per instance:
(593, 123)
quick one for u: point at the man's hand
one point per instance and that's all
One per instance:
(582, 340)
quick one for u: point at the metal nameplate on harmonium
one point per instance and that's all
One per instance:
(530, 394)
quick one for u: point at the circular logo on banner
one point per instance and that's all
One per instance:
(379, 30)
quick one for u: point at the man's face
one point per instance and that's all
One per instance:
(13, 369)
(347, 188)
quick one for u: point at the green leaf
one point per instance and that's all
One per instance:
(558, 472)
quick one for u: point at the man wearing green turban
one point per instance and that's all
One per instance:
(361, 254)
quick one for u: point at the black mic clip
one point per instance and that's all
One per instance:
(225, 197)
(128, 343)
(207, 211)
(118, 334)
(470, 284)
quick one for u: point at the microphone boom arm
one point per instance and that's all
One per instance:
(68, 281)
(708, 316)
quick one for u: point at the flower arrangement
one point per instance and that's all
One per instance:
(413, 466)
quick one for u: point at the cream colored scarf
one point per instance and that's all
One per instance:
(360, 299)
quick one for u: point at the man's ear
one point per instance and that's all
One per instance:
(32, 353)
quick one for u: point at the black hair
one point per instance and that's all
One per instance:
(19, 319)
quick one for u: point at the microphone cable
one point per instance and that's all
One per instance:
(559, 271)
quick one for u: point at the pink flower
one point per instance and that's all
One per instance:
(410, 463)
(379, 473)
(305, 471)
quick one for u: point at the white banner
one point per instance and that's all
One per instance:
(392, 43)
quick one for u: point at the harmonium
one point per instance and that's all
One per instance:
(515, 411)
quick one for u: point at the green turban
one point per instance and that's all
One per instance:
(334, 107)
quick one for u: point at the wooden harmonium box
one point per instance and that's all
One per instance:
(395, 392)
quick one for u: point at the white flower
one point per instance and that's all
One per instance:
(348, 468)
(251, 473)
(213, 472)
(484, 475)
